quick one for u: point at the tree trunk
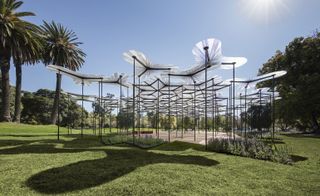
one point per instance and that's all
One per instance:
(315, 123)
(17, 103)
(54, 113)
(5, 87)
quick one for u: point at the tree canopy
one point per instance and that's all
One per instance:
(300, 88)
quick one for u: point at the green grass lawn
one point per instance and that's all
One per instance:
(33, 162)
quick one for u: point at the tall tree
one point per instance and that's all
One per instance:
(31, 55)
(17, 40)
(299, 89)
(60, 48)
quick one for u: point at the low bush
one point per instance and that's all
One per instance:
(281, 154)
(252, 148)
(146, 142)
(143, 142)
(115, 139)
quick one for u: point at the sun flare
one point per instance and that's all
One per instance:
(264, 10)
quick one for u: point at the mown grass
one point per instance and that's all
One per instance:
(33, 162)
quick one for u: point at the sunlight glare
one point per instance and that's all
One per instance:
(264, 10)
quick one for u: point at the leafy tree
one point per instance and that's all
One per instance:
(164, 122)
(259, 117)
(19, 40)
(37, 109)
(152, 119)
(187, 123)
(219, 120)
(60, 48)
(124, 119)
(299, 89)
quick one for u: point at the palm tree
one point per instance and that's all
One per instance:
(31, 55)
(60, 48)
(17, 40)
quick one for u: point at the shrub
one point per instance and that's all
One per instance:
(143, 142)
(147, 142)
(282, 154)
(115, 139)
(252, 148)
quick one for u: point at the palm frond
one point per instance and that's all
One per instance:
(18, 38)
(61, 46)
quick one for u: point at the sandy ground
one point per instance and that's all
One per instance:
(188, 136)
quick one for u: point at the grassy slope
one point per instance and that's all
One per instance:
(32, 161)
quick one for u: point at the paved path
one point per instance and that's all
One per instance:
(188, 136)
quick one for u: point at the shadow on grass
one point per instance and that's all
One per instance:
(302, 135)
(273, 142)
(5, 143)
(26, 135)
(297, 158)
(90, 173)
(38, 149)
(68, 141)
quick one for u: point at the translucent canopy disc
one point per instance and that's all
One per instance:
(269, 76)
(214, 52)
(77, 77)
(230, 62)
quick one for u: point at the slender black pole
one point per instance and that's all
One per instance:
(182, 112)
(270, 130)
(82, 84)
(206, 109)
(227, 115)
(216, 117)
(103, 111)
(158, 107)
(252, 119)
(58, 121)
(169, 89)
(117, 120)
(99, 108)
(120, 102)
(260, 113)
(205, 98)
(245, 111)
(103, 116)
(94, 118)
(273, 110)
(69, 114)
(234, 102)
(110, 120)
(134, 97)
(213, 108)
(139, 112)
(187, 127)
(241, 113)
(194, 111)
(176, 117)
(127, 124)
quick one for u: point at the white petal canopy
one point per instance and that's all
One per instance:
(230, 62)
(144, 67)
(77, 77)
(261, 78)
(269, 76)
(214, 52)
(117, 78)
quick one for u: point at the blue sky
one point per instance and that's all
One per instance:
(167, 30)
